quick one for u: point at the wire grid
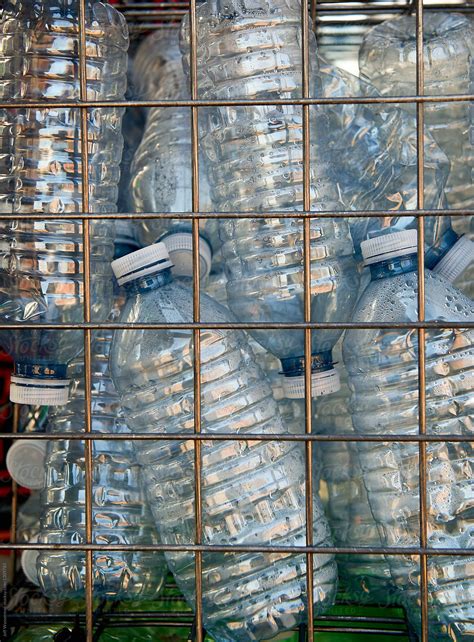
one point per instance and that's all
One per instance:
(142, 17)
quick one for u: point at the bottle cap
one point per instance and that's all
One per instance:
(180, 248)
(39, 392)
(28, 562)
(389, 246)
(148, 260)
(322, 383)
(456, 260)
(26, 462)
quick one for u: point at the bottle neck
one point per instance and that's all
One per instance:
(394, 267)
(295, 366)
(440, 248)
(149, 282)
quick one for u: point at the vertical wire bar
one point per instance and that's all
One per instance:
(421, 317)
(307, 314)
(87, 332)
(196, 317)
(14, 504)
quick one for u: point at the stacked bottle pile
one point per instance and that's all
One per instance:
(252, 163)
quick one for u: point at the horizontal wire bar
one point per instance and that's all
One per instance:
(243, 102)
(232, 436)
(237, 215)
(241, 548)
(263, 325)
(155, 615)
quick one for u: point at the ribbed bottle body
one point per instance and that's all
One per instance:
(383, 374)
(119, 511)
(252, 491)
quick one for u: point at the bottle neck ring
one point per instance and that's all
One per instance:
(148, 282)
(295, 366)
(394, 267)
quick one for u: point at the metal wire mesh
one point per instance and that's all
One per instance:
(338, 24)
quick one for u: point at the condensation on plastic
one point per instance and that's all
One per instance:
(252, 492)
(119, 510)
(161, 170)
(383, 375)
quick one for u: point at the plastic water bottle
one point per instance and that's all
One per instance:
(255, 157)
(364, 578)
(387, 58)
(252, 491)
(119, 511)
(383, 375)
(379, 143)
(41, 261)
(161, 170)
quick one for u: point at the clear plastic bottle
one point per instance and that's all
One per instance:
(41, 261)
(383, 375)
(252, 491)
(119, 512)
(161, 170)
(364, 578)
(387, 58)
(380, 142)
(255, 159)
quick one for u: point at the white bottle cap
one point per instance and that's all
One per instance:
(322, 383)
(148, 260)
(39, 392)
(26, 462)
(389, 246)
(180, 248)
(456, 260)
(28, 562)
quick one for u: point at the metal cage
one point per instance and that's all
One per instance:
(339, 24)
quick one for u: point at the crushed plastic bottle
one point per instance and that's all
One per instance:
(252, 491)
(387, 58)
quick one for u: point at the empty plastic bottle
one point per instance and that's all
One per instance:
(388, 59)
(255, 159)
(162, 169)
(380, 142)
(119, 512)
(383, 375)
(252, 491)
(364, 578)
(41, 261)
